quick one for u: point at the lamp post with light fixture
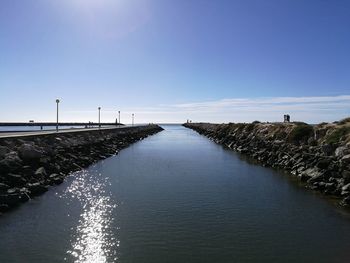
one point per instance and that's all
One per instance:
(57, 102)
(99, 117)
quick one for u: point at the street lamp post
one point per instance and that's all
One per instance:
(57, 101)
(99, 117)
(133, 115)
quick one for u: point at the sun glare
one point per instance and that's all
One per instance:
(95, 3)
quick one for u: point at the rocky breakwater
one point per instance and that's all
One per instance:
(30, 165)
(318, 155)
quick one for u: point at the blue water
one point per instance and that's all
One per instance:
(176, 197)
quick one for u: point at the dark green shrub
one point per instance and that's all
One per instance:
(301, 133)
(335, 136)
(300, 123)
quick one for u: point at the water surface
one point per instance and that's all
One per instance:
(176, 197)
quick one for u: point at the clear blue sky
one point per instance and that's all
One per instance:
(167, 61)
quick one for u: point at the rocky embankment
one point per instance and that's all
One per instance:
(30, 165)
(318, 155)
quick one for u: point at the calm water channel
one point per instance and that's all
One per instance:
(176, 197)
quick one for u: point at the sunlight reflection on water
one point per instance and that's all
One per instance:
(92, 240)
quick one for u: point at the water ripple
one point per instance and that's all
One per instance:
(92, 240)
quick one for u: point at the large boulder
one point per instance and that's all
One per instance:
(345, 201)
(29, 152)
(346, 159)
(317, 177)
(40, 172)
(346, 187)
(342, 151)
(11, 162)
(3, 151)
(309, 174)
(346, 176)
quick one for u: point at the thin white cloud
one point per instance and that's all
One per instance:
(265, 101)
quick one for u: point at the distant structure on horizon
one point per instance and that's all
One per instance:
(286, 118)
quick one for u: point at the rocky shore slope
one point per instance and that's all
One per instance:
(318, 155)
(30, 165)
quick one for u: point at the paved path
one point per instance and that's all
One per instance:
(43, 132)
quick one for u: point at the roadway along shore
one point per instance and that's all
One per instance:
(31, 162)
(5, 134)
